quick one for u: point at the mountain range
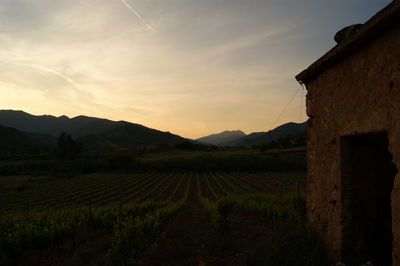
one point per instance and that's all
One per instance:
(238, 138)
(223, 137)
(95, 133)
(21, 131)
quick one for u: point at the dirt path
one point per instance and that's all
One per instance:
(185, 237)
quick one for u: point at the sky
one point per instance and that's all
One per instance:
(191, 67)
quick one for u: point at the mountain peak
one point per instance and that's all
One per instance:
(233, 132)
(223, 137)
(282, 131)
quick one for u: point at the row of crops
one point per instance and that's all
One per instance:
(278, 205)
(106, 207)
(40, 215)
(103, 189)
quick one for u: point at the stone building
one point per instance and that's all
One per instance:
(353, 105)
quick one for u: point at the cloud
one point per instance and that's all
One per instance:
(213, 65)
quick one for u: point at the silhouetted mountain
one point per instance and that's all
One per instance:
(223, 137)
(261, 138)
(94, 133)
(47, 124)
(128, 135)
(286, 142)
(15, 141)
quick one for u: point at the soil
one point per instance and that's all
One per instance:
(88, 248)
(186, 236)
(191, 239)
(180, 193)
(205, 190)
(170, 188)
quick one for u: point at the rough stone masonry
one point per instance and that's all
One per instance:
(353, 96)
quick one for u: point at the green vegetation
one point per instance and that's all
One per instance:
(290, 159)
(289, 240)
(43, 229)
(44, 216)
(125, 208)
(134, 235)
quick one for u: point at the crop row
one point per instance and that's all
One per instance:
(221, 184)
(103, 189)
(134, 225)
(50, 228)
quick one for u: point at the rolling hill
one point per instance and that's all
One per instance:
(223, 137)
(240, 139)
(15, 141)
(51, 125)
(99, 134)
(261, 138)
(95, 133)
(128, 135)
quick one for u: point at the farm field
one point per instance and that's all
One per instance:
(38, 193)
(146, 218)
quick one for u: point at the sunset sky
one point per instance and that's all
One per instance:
(191, 67)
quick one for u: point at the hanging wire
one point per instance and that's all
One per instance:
(284, 109)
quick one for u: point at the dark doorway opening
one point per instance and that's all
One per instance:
(367, 182)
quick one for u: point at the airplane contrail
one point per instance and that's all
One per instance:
(148, 26)
(57, 73)
(41, 68)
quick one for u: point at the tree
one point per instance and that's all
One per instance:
(67, 148)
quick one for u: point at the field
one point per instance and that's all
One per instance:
(38, 193)
(232, 207)
(151, 218)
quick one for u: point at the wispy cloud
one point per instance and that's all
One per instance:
(211, 56)
(148, 26)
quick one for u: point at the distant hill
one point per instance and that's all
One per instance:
(223, 137)
(47, 124)
(262, 138)
(21, 129)
(128, 135)
(95, 133)
(15, 141)
(43, 138)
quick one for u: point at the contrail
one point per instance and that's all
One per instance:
(43, 69)
(151, 28)
(52, 71)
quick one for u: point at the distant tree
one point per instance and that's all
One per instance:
(67, 148)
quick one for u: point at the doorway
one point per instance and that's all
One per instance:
(367, 182)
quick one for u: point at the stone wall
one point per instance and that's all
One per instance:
(360, 94)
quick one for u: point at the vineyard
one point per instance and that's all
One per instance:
(116, 219)
(102, 189)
